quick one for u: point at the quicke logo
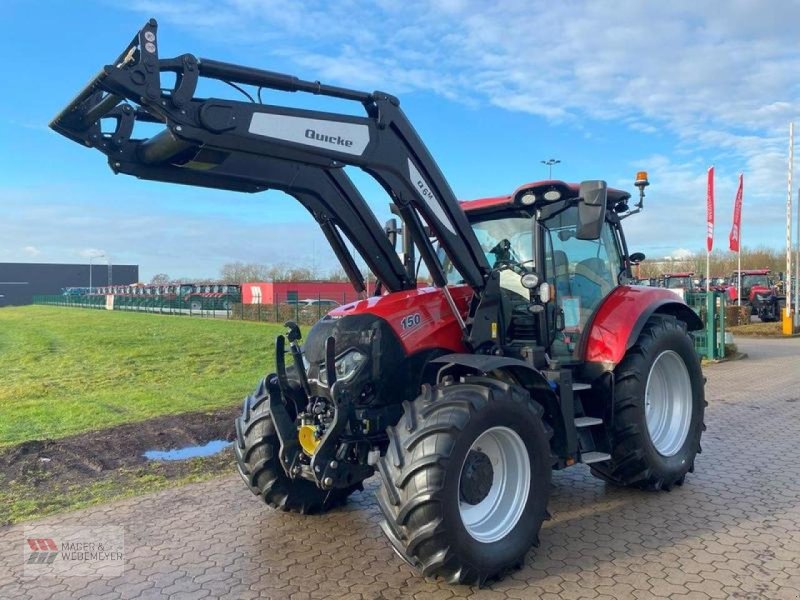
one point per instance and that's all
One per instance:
(336, 140)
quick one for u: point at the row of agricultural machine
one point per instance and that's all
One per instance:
(179, 295)
(760, 291)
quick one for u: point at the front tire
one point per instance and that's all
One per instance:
(659, 407)
(256, 451)
(466, 479)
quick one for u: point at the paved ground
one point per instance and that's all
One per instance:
(732, 531)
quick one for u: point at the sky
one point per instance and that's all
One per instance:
(607, 88)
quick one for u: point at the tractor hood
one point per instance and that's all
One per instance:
(420, 318)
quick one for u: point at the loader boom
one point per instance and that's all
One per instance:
(251, 147)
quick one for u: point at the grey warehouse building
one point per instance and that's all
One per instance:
(20, 282)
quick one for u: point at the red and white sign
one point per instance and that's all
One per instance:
(736, 230)
(710, 211)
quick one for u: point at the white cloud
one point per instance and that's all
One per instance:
(32, 251)
(681, 254)
(158, 240)
(91, 253)
(721, 77)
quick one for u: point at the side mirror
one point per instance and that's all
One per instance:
(636, 258)
(391, 230)
(591, 210)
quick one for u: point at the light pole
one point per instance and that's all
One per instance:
(91, 258)
(549, 163)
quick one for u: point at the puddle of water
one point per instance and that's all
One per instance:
(208, 449)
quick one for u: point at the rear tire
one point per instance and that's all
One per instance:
(659, 406)
(256, 451)
(466, 528)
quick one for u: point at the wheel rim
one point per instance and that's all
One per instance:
(668, 403)
(496, 496)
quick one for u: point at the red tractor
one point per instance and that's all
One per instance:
(758, 292)
(531, 352)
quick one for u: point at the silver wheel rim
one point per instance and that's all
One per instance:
(498, 513)
(668, 403)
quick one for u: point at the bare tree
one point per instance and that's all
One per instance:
(239, 272)
(160, 279)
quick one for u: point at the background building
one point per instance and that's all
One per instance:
(19, 282)
(282, 292)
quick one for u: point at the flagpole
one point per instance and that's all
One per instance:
(709, 225)
(739, 247)
(739, 268)
(787, 280)
(797, 269)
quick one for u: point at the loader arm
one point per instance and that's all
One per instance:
(251, 147)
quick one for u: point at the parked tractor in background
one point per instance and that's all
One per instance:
(531, 352)
(212, 297)
(680, 281)
(759, 292)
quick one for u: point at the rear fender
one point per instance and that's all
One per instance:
(618, 321)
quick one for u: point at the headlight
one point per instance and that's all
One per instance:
(529, 280)
(346, 366)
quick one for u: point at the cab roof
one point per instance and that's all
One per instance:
(753, 272)
(568, 190)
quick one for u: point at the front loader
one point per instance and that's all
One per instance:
(530, 352)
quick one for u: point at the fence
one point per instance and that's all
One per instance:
(710, 307)
(709, 341)
(305, 312)
(194, 307)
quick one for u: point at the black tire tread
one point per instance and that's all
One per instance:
(628, 465)
(398, 503)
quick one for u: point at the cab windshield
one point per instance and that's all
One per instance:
(506, 242)
(751, 280)
(679, 282)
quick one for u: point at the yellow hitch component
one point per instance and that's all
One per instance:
(306, 435)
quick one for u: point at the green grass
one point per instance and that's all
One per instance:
(69, 370)
(758, 329)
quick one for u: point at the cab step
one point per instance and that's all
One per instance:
(587, 421)
(588, 458)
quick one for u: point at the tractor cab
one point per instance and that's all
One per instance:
(674, 281)
(555, 265)
(758, 279)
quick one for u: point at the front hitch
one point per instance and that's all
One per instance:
(328, 463)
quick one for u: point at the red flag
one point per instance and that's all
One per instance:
(710, 211)
(736, 230)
